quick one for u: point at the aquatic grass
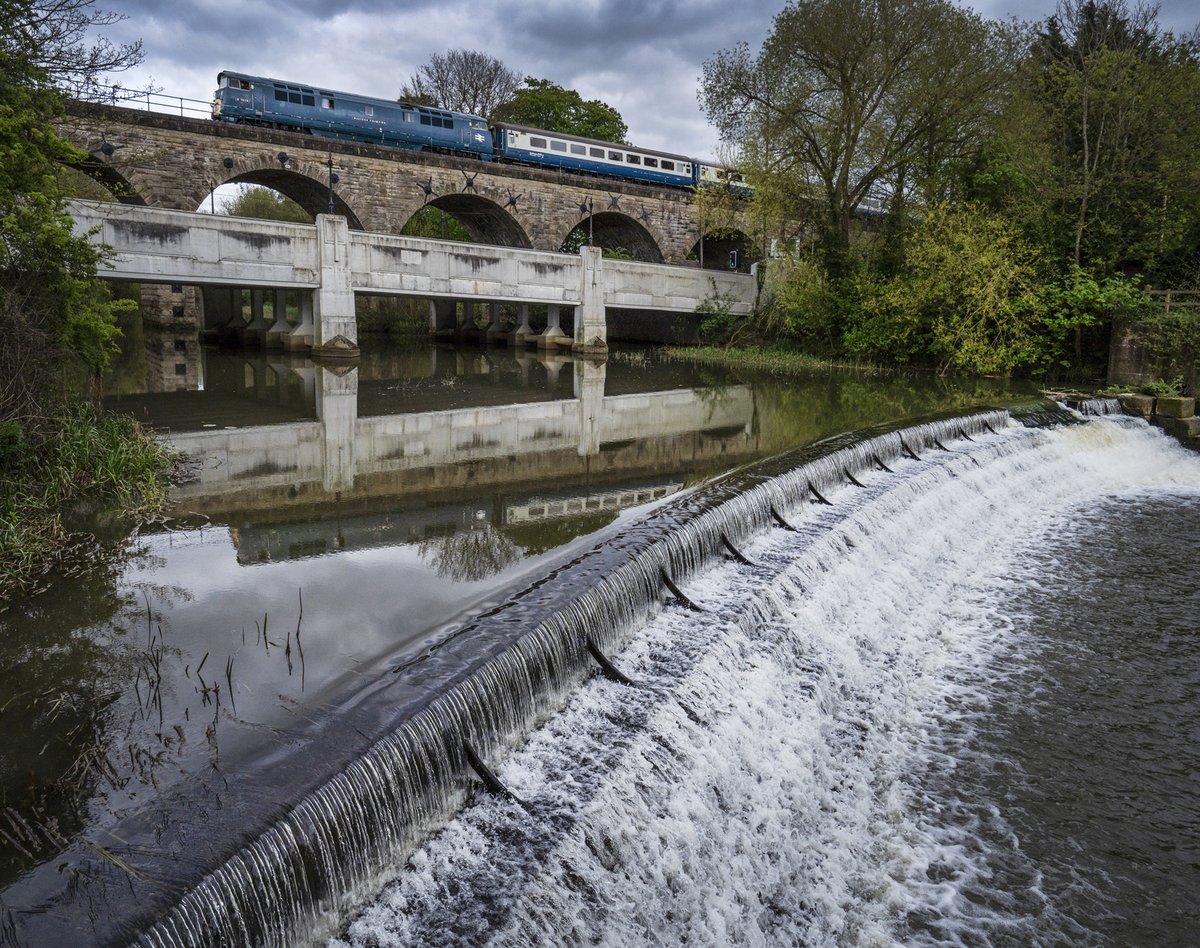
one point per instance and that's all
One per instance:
(82, 462)
(776, 359)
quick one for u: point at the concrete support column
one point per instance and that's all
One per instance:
(301, 337)
(589, 389)
(279, 327)
(336, 327)
(523, 332)
(442, 317)
(495, 330)
(591, 328)
(220, 308)
(337, 410)
(549, 339)
(252, 335)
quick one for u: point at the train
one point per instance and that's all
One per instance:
(275, 103)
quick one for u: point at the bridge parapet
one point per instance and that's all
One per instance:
(155, 245)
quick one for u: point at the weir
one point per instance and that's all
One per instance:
(233, 866)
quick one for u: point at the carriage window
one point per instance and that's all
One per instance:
(578, 150)
(634, 159)
(597, 152)
(537, 143)
(651, 162)
(668, 165)
(615, 156)
(559, 146)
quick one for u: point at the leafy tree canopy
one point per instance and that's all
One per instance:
(462, 80)
(265, 204)
(544, 104)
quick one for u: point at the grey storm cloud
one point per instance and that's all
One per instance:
(644, 57)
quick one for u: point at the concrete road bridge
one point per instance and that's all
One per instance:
(326, 264)
(175, 161)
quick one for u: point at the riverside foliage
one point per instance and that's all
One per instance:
(57, 319)
(1034, 179)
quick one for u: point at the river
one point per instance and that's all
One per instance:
(890, 781)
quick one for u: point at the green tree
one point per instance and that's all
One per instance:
(962, 298)
(54, 313)
(265, 204)
(1117, 97)
(846, 97)
(543, 104)
(463, 80)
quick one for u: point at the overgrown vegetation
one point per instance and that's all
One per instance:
(970, 195)
(57, 320)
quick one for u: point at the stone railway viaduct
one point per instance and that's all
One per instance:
(168, 161)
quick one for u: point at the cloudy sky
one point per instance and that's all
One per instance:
(644, 57)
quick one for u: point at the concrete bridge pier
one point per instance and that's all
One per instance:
(280, 327)
(524, 332)
(301, 337)
(495, 329)
(591, 327)
(336, 328)
(443, 317)
(255, 330)
(550, 337)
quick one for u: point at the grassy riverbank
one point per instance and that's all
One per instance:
(81, 465)
(778, 359)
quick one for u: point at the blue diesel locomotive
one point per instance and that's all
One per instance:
(273, 103)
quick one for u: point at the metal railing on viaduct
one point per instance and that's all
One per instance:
(328, 263)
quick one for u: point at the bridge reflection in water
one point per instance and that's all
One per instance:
(331, 482)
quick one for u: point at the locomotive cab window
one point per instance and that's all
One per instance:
(326, 102)
(369, 109)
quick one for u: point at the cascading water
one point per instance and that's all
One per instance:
(782, 770)
(790, 714)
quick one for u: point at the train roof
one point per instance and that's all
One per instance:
(594, 141)
(374, 100)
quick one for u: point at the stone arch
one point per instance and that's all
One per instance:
(717, 247)
(305, 182)
(612, 229)
(485, 221)
(109, 177)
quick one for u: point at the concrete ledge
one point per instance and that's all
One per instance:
(1183, 428)
(1140, 405)
(1175, 407)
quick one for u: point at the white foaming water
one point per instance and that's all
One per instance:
(768, 779)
